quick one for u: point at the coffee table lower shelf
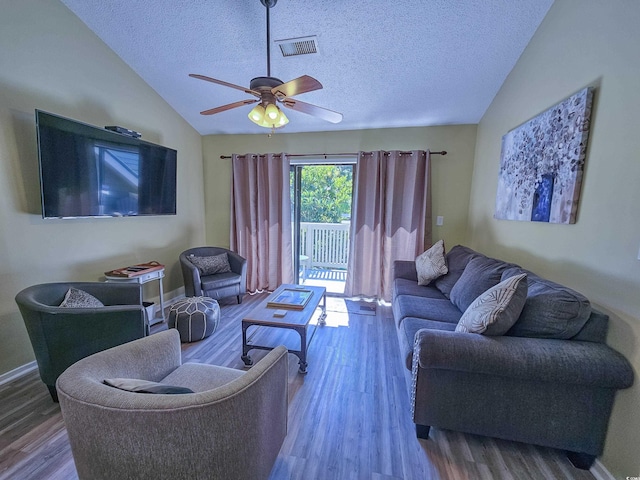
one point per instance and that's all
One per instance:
(298, 321)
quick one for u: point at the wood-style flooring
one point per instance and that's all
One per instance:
(349, 416)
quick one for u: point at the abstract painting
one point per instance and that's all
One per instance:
(542, 162)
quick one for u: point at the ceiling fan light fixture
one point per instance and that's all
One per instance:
(269, 117)
(282, 120)
(270, 90)
(266, 123)
(272, 111)
(256, 115)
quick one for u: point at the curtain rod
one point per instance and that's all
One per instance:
(325, 155)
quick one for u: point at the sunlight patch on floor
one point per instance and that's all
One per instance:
(337, 314)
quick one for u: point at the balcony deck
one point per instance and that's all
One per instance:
(324, 253)
(331, 279)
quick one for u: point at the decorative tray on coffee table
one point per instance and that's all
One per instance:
(292, 298)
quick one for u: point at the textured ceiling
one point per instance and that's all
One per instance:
(382, 64)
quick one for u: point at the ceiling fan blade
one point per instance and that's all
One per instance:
(296, 86)
(226, 84)
(224, 108)
(323, 113)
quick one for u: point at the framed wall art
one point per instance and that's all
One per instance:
(542, 162)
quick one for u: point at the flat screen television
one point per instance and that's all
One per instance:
(87, 171)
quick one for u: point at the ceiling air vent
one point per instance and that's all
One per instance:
(298, 46)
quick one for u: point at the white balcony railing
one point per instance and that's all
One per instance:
(325, 244)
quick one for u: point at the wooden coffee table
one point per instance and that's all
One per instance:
(297, 320)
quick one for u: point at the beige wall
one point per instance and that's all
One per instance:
(451, 173)
(580, 44)
(51, 61)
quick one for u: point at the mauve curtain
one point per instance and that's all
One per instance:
(390, 218)
(261, 219)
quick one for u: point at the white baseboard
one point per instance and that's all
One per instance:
(17, 372)
(169, 299)
(600, 472)
(174, 296)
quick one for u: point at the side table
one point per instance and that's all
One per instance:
(142, 279)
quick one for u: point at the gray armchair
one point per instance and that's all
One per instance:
(232, 427)
(61, 336)
(217, 286)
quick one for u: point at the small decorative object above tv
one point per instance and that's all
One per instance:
(542, 163)
(87, 171)
(124, 131)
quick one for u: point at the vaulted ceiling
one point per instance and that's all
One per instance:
(382, 64)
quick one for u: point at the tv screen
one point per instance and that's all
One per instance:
(87, 171)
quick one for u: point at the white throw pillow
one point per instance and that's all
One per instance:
(431, 264)
(496, 310)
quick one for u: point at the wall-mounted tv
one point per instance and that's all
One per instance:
(87, 171)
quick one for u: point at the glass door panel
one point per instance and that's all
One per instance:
(321, 196)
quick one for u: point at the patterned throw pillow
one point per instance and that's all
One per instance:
(211, 265)
(496, 310)
(145, 386)
(75, 298)
(431, 264)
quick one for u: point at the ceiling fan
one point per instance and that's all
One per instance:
(270, 91)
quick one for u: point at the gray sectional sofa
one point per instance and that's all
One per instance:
(550, 380)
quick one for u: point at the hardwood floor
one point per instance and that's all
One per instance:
(348, 416)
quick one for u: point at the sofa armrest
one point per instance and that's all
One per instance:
(191, 277)
(152, 359)
(239, 265)
(405, 269)
(547, 360)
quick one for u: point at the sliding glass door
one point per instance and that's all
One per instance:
(321, 197)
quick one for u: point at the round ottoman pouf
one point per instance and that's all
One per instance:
(194, 317)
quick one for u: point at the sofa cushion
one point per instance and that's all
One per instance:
(551, 310)
(201, 377)
(431, 264)
(405, 269)
(403, 286)
(221, 280)
(480, 274)
(407, 332)
(595, 329)
(496, 310)
(457, 259)
(438, 309)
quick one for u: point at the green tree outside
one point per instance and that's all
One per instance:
(326, 193)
